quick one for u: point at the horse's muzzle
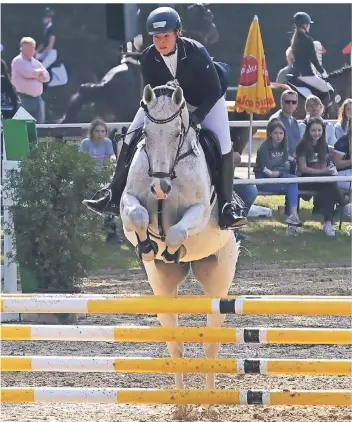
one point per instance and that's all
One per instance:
(162, 189)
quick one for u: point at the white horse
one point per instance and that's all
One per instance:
(169, 212)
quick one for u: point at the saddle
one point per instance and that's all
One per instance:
(306, 90)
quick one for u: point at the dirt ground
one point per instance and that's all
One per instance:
(322, 281)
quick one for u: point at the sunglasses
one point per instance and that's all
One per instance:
(290, 101)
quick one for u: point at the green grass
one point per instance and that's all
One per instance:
(267, 242)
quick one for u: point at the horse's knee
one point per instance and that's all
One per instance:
(138, 219)
(176, 236)
(176, 349)
(212, 350)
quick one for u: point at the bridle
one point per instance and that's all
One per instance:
(171, 174)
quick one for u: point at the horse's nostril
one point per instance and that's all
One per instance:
(165, 186)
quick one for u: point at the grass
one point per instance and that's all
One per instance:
(267, 242)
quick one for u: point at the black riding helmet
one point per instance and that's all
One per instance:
(302, 18)
(163, 19)
(48, 13)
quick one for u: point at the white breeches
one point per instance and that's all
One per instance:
(48, 58)
(216, 120)
(316, 82)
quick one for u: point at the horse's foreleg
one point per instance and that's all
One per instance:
(193, 222)
(164, 279)
(136, 218)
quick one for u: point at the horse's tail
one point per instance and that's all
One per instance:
(87, 93)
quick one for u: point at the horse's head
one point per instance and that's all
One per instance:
(165, 129)
(199, 24)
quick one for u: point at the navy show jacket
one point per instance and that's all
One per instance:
(203, 81)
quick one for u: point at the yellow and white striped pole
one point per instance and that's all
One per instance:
(176, 305)
(130, 396)
(182, 334)
(175, 365)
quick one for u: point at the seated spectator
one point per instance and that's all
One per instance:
(289, 103)
(314, 108)
(9, 100)
(247, 193)
(344, 116)
(314, 160)
(99, 147)
(342, 157)
(272, 161)
(281, 76)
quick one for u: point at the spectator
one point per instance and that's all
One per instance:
(28, 76)
(342, 157)
(344, 116)
(272, 161)
(247, 194)
(314, 108)
(9, 100)
(99, 147)
(314, 160)
(281, 76)
(289, 102)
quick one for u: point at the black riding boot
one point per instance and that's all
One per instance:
(231, 210)
(110, 202)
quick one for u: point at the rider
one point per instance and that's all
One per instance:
(305, 56)
(46, 52)
(204, 85)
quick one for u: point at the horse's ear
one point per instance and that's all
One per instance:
(148, 94)
(177, 96)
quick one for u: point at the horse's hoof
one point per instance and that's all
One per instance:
(183, 413)
(174, 258)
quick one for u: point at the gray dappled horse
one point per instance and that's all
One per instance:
(169, 212)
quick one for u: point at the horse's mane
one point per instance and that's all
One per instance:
(341, 70)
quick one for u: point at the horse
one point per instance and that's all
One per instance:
(116, 97)
(340, 79)
(170, 213)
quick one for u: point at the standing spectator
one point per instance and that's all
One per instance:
(289, 102)
(344, 117)
(9, 100)
(99, 147)
(314, 108)
(28, 76)
(272, 161)
(281, 76)
(342, 157)
(314, 160)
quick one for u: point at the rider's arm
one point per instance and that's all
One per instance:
(50, 45)
(313, 54)
(207, 73)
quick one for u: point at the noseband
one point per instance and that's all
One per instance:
(171, 174)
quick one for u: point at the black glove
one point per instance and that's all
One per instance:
(193, 120)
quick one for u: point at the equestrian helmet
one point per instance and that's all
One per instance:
(48, 13)
(163, 19)
(302, 18)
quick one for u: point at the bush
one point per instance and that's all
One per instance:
(55, 234)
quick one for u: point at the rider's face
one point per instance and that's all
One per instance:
(165, 43)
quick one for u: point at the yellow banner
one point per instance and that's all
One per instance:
(254, 94)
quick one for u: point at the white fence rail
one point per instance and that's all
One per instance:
(120, 125)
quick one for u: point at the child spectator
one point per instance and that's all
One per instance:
(314, 108)
(344, 116)
(313, 160)
(272, 161)
(99, 147)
